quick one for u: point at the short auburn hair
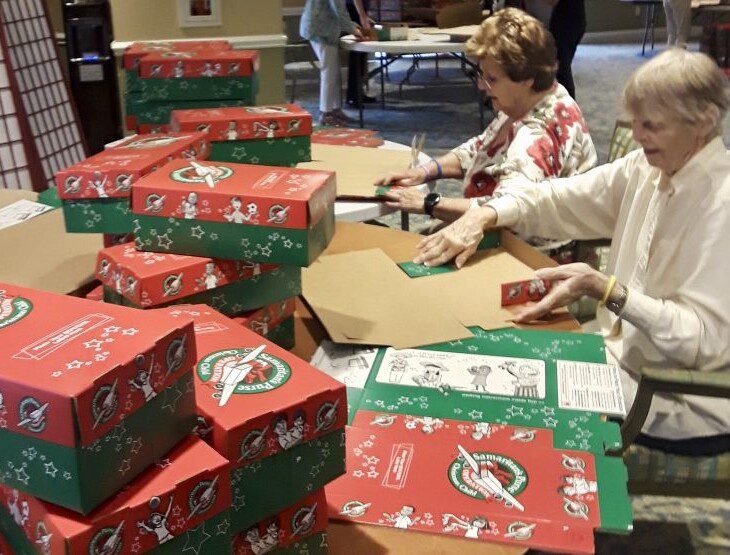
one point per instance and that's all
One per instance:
(520, 44)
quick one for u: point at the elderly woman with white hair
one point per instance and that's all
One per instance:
(667, 209)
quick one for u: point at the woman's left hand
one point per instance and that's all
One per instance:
(573, 281)
(408, 199)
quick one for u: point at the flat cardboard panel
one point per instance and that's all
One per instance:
(357, 167)
(40, 254)
(363, 297)
(470, 295)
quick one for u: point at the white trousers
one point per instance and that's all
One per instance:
(679, 21)
(330, 78)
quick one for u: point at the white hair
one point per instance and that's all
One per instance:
(680, 84)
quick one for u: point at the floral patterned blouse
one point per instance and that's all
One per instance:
(552, 140)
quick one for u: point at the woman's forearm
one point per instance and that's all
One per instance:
(450, 209)
(450, 167)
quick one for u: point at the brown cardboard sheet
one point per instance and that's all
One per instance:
(357, 167)
(470, 295)
(38, 252)
(363, 297)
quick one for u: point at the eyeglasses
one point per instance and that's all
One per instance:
(480, 75)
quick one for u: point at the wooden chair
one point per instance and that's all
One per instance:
(654, 472)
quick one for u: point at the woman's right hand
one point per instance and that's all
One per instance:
(409, 178)
(458, 240)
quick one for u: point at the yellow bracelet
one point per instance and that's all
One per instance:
(609, 287)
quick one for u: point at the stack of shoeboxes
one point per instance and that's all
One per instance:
(234, 287)
(273, 135)
(162, 77)
(281, 424)
(97, 408)
(95, 192)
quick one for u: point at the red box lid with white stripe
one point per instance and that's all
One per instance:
(257, 399)
(236, 193)
(63, 357)
(150, 278)
(199, 63)
(110, 173)
(273, 121)
(138, 50)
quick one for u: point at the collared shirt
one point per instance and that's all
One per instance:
(670, 247)
(325, 20)
(551, 140)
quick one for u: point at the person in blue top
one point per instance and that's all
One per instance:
(323, 21)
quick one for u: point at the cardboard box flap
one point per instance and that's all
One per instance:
(273, 121)
(258, 398)
(357, 168)
(111, 172)
(188, 487)
(199, 63)
(54, 347)
(137, 50)
(235, 193)
(149, 279)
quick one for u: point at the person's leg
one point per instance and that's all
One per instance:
(329, 75)
(567, 25)
(671, 24)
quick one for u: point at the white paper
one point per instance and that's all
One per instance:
(486, 374)
(348, 364)
(591, 387)
(21, 211)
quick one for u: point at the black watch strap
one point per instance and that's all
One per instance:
(429, 203)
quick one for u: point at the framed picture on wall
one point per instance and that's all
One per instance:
(199, 13)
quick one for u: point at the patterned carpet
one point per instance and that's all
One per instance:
(445, 107)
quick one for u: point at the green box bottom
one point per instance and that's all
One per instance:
(192, 88)
(287, 151)
(294, 247)
(157, 112)
(240, 296)
(270, 485)
(81, 478)
(110, 215)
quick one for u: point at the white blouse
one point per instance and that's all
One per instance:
(670, 246)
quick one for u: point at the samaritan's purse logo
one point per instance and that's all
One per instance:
(510, 474)
(13, 309)
(199, 172)
(230, 368)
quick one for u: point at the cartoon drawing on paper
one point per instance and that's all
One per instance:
(43, 538)
(451, 522)
(189, 206)
(289, 437)
(235, 215)
(157, 522)
(19, 511)
(428, 424)
(141, 381)
(234, 68)
(267, 130)
(480, 374)
(98, 184)
(481, 430)
(402, 519)
(577, 486)
(178, 70)
(475, 373)
(210, 278)
(231, 132)
(72, 184)
(131, 286)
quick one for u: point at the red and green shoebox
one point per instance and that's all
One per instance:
(95, 192)
(305, 520)
(235, 212)
(201, 63)
(275, 322)
(503, 484)
(276, 418)
(179, 505)
(145, 110)
(271, 135)
(152, 280)
(91, 394)
(134, 53)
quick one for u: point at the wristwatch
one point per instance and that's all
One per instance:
(617, 301)
(429, 203)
